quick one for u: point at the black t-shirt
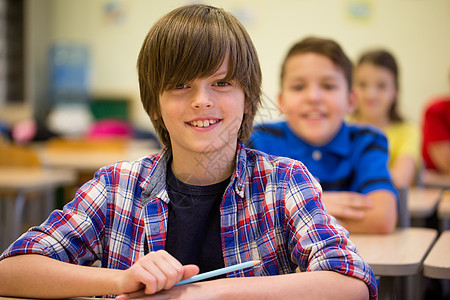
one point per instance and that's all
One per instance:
(193, 230)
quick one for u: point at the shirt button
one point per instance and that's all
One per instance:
(317, 155)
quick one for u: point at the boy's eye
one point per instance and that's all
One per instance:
(297, 87)
(329, 86)
(381, 86)
(222, 83)
(361, 84)
(180, 86)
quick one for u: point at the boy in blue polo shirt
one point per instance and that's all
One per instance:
(350, 162)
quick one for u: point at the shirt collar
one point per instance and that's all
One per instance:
(239, 178)
(338, 145)
(154, 184)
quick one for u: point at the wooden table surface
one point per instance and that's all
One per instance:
(423, 202)
(14, 178)
(431, 178)
(400, 253)
(93, 158)
(437, 263)
(15, 184)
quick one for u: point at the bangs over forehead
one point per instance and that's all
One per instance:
(196, 49)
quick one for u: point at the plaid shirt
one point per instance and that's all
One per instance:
(271, 211)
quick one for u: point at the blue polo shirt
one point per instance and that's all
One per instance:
(356, 159)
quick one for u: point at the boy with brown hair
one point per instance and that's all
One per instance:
(204, 202)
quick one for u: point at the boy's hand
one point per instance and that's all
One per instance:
(347, 205)
(154, 272)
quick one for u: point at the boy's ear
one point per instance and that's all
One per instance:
(351, 102)
(280, 102)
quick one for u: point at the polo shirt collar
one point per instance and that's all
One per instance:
(338, 145)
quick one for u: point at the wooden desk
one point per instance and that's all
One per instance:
(397, 258)
(93, 158)
(443, 210)
(422, 202)
(431, 178)
(15, 183)
(397, 254)
(437, 262)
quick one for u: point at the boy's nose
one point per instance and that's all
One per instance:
(371, 92)
(202, 99)
(314, 93)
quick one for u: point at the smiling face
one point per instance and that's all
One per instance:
(314, 97)
(189, 43)
(204, 115)
(375, 92)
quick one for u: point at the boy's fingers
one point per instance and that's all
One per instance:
(132, 295)
(359, 201)
(172, 269)
(155, 279)
(152, 283)
(122, 297)
(190, 270)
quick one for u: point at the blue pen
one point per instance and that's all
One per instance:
(218, 272)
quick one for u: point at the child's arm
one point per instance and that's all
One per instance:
(440, 154)
(375, 212)
(403, 172)
(305, 285)
(37, 276)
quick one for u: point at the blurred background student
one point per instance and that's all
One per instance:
(436, 134)
(349, 161)
(376, 87)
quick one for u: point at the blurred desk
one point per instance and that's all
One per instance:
(437, 263)
(89, 156)
(15, 183)
(422, 202)
(431, 178)
(443, 210)
(395, 255)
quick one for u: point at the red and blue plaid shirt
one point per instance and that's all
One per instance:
(271, 211)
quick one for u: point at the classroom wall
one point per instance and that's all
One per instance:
(416, 31)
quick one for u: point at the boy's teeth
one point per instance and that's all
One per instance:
(314, 115)
(204, 123)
